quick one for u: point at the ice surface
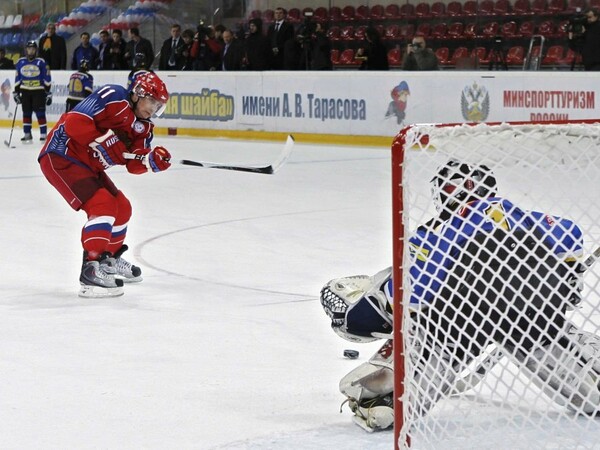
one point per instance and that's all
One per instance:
(224, 345)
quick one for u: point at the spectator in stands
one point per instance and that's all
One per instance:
(138, 44)
(206, 50)
(117, 52)
(279, 32)
(186, 49)
(53, 49)
(171, 57)
(320, 50)
(231, 56)
(258, 48)
(5, 63)
(86, 51)
(374, 53)
(588, 42)
(104, 51)
(219, 30)
(419, 57)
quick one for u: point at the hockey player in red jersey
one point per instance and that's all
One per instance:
(110, 127)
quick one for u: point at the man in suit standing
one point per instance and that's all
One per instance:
(104, 51)
(171, 53)
(231, 56)
(279, 32)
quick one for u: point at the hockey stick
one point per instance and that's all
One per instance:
(270, 169)
(12, 128)
(474, 378)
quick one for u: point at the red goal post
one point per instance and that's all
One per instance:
(533, 162)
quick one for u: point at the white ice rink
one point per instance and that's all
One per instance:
(224, 345)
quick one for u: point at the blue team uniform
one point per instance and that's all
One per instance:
(33, 81)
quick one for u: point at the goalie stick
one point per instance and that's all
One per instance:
(269, 170)
(472, 379)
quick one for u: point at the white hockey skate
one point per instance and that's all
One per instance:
(98, 280)
(126, 271)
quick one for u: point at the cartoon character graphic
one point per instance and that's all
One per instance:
(475, 103)
(5, 94)
(397, 106)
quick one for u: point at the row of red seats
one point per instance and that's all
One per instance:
(438, 9)
(456, 30)
(515, 56)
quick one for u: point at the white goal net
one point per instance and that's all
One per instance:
(496, 286)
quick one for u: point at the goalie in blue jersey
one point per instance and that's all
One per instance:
(483, 272)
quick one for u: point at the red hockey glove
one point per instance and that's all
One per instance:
(144, 159)
(108, 149)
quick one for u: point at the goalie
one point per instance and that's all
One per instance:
(483, 272)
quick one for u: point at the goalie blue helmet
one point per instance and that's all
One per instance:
(458, 183)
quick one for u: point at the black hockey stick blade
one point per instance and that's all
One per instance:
(8, 144)
(269, 170)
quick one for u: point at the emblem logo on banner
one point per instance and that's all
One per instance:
(475, 103)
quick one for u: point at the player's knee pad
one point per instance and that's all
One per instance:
(367, 381)
(102, 203)
(124, 209)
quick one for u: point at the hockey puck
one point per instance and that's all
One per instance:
(351, 354)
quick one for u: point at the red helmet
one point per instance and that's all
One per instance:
(149, 85)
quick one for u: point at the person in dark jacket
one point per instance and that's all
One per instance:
(374, 53)
(53, 49)
(171, 52)
(117, 51)
(258, 47)
(104, 51)
(279, 32)
(588, 42)
(5, 63)
(138, 44)
(86, 51)
(231, 56)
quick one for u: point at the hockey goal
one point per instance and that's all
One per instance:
(499, 298)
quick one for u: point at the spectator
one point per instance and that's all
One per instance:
(206, 51)
(231, 57)
(588, 42)
(86, 51)
(258, 48)
(81, 84)
(139, 68)
(117, 52)
(374, 53)
(419, 57)
(219, 30)
(186, 49)
(104, 51)
(5, 63)
(279, 32)
(53, 48)
(138, 44)
(320, 50)
(171, 57)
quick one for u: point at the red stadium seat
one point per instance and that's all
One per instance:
(377, 12)
(470, 8)
(424, 29)
(490, 30)
(594, 4)
(407, 11)
(554, 54)
(546, 28)
(456, 30)
(526, 28)
(392, 32)
(321, 14)
(570, 57)
(347, 33)
(423, 10)
(509, 29)
(333, 33)
(538, 7)
(502, 7)
(515, 55)
(470, 31)
(334, 56)
(359, 32)
(392, 11)
(335, 14)
(459, 52)
(480, 54)
(255, 14)
(521, 8)
(486, 8)
(442, 55)
(407, 31)
(438, 9)
(438, 31)
(268, 15)
(394, 57)
(556, 6)
(454, 8)
(362, 13)
(573, 6)
(348, 13)
(347, 58)
(294, 15)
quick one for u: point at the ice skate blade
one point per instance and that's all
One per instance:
(129, 280)
(87, 291)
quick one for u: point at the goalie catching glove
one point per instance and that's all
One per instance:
(143, 160)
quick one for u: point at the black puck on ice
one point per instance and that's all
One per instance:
(351, 354)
